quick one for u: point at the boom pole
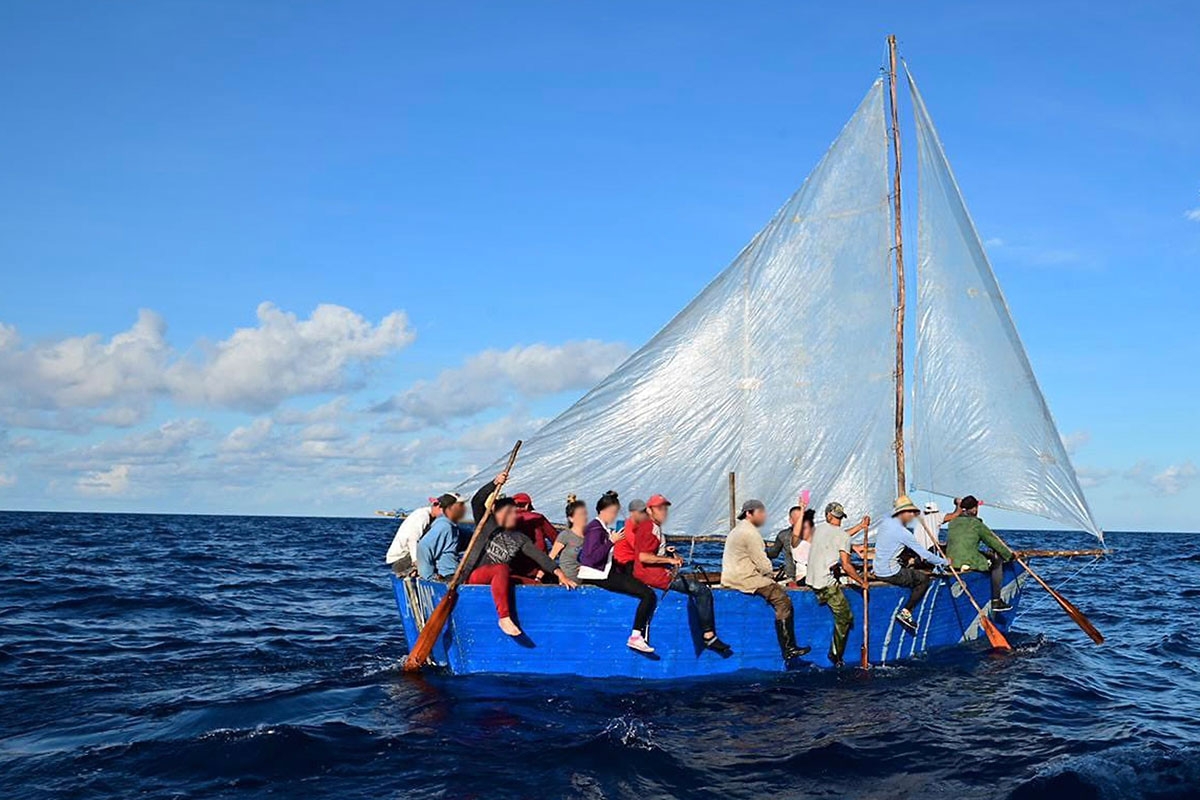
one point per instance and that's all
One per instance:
(898, 247)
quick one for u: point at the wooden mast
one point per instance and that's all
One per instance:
(898, 246)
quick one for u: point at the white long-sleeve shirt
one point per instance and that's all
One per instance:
(408, 534)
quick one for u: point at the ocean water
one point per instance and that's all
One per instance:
(188, 656)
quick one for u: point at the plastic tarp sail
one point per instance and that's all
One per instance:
(780, 370)
(981, 423)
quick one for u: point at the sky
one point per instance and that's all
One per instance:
(319, 258)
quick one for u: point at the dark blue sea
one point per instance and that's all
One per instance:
(189, 656)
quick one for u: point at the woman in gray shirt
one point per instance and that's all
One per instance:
(566, 546)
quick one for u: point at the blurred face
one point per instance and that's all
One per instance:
(806, 529)
(435, 511)
(456, 512)
(579, 517)
(506, 517)
(638, 516)
(609, 515)
(659, 513)
(793, 516)
(907, 516)
(758, 516)
(523, 506)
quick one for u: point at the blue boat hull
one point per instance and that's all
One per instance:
(583, 632)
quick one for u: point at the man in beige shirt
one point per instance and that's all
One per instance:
(745, 567)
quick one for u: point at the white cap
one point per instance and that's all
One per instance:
(931, 507)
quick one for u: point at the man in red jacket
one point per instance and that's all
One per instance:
(539, 530)
(656, 565)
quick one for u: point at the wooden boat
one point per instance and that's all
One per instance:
(789, 370)
(583, 632)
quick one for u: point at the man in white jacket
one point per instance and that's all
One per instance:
(400, 556)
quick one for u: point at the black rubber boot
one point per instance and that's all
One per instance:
(785, 632)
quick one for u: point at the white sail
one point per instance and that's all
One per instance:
(780, 370)
(981, 423)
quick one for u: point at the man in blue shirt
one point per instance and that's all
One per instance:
(893, 537)
(437, 551)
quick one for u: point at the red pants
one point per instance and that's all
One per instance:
(501, 578)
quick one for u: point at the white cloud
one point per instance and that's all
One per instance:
(113, 481)
(250, 437)
(494, 377)
(995, 241)
(7, 480)
(170, 440)
(1175, 478)
(257, 368)
(1074, 440)
(47, 384)
(1193, 214)
(84, 371)
(1090, 477)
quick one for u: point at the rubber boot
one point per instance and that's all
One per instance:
(785, 632)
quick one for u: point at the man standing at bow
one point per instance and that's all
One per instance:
(831, 548)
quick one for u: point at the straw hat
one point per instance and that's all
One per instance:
(904, 504)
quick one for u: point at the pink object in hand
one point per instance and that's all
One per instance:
(804, 497)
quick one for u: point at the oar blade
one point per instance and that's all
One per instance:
(997, 639)
(428, 637)
(1082, 621)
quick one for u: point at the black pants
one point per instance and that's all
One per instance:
(912, 579)
(624, 583)
(997, 573)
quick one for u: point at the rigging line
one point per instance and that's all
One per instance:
(1046, 596)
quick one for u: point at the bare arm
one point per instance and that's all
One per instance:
(852, 571)
(556, 550)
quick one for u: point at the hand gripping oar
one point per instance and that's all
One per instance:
(1067, 606)
(441, 615)
(998, 639)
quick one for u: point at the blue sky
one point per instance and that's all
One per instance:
(476, 190)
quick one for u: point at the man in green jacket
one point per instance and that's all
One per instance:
(966, 533)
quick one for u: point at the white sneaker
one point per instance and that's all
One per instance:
(636, 642)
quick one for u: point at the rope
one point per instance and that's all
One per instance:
(1046, 597)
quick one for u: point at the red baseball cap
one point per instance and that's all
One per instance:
(657, 500)
(522, 499)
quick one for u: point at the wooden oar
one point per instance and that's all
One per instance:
(1074, 613)
(997, 639)
(441, 615)
(866, 645)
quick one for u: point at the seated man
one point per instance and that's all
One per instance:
(893, 537)
(792, 541)
(533, 524)
(965, 535)
(625, 554)
(928, 533)
(402, 553)
(657, 566)
(437, 552)
(504, 546)
(745, 567)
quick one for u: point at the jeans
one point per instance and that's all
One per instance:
(624, 583)
(843, 619)
(912, 579)
(701, 595)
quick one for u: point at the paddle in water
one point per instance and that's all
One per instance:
(1074, 613)
(997, 639)
(441, 615)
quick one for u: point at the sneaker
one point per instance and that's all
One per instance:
(999, 606)
(637, 642)
(905, 618)
(717, 646)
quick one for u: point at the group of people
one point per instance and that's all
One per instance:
(520, 545)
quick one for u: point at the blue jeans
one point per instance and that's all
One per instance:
(701, 595)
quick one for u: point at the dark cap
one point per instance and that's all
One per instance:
(449, 499)
(968, 502)
(835, 510)
(637, 505)
(503, 502)
(751, 505)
